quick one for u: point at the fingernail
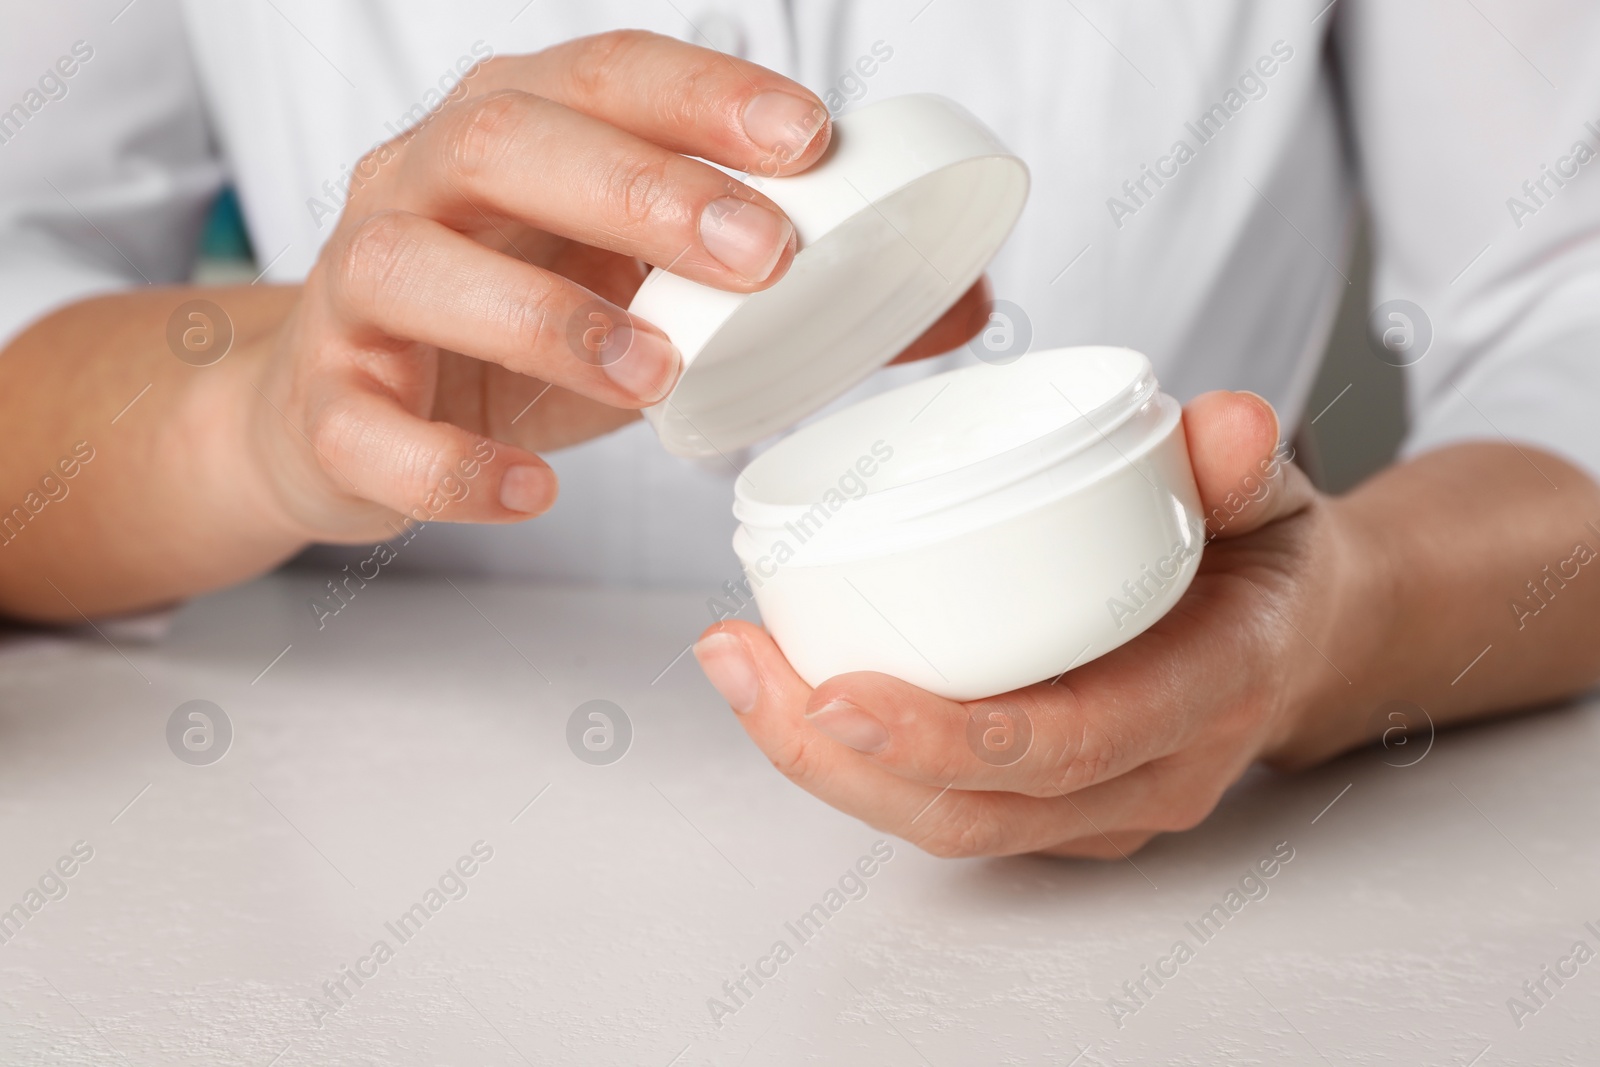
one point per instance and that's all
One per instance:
(525, 489)
(728, 668)
(644, 364)
(849, 725)
(783, 124)
(744, 237)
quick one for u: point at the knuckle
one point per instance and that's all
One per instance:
(951, 761)
(525, 317)
(481, 131)
(801, 759)
(335, 431)
(1094, 759)
(636, 189)
(1071, 747)
(1088, 758)
(597, 61)
(435, 475)
(364, 174)
(375, 258)
(701, 90)
(374, 158)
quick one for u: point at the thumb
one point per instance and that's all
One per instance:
(1245, 476)
(955, 328)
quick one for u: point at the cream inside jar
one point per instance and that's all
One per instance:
(978, 530)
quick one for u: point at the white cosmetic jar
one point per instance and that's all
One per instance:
(976, 531)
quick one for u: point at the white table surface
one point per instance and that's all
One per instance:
(424, 718)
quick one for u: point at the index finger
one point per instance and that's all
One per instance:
(1042, 741)
(693, 100)
(750, 671)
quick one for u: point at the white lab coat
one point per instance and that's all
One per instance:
(1224, 262)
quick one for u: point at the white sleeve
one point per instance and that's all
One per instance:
(1478, 130)
(106, 165)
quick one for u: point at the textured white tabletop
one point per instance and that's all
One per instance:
(224, 905)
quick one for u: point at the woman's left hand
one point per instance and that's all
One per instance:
(1140, 741)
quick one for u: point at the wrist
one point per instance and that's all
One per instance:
(1347, 629)
(221, 434)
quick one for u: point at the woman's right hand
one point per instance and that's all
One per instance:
(464, 315)
(481, 266)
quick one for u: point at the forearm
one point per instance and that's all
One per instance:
(1442, 551)
(166, 507)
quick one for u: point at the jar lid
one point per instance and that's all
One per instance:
(902, 215)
